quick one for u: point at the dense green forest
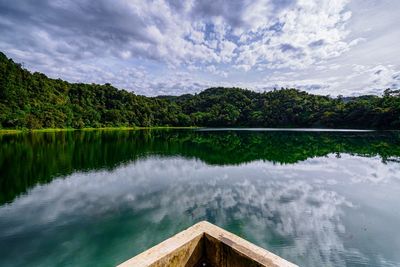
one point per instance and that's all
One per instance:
(34, 101)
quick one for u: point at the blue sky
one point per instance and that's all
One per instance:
(347, 47)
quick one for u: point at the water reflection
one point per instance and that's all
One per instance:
(48, 155)
(311, 212)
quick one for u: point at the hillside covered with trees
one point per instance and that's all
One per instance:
(33, 101)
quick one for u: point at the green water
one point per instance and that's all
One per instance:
(98, 198)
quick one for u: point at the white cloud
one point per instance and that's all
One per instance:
(256, 37)
(300, 36)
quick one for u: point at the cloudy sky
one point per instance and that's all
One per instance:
(348, 47)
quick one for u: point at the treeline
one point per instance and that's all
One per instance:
(32, 100)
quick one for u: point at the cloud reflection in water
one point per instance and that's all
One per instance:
(294, 210)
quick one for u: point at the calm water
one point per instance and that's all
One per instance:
(98, 198)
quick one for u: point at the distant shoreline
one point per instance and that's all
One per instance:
(50, 130)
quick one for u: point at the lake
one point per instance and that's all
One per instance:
(97, 198)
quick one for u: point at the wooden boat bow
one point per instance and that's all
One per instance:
(206, 245)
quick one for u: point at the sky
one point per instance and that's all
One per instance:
(173, 47)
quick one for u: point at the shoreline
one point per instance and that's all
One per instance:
(49, 130)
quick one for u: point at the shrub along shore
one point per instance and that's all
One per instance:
(45, 130)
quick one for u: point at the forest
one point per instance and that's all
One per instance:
(34, 101)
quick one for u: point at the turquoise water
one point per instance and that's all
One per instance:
(98, 198)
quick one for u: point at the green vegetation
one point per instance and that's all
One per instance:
(34, 101)
(18, 131)
(31, 158)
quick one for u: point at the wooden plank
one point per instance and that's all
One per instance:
(205, 241)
